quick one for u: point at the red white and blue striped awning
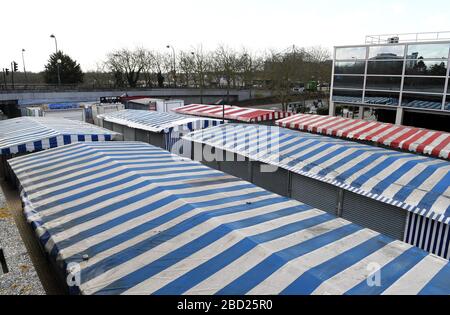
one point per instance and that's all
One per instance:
(232, 112)
(158, 121)
(29, 134)
(416, 183)
(130, 218)
(435, 143)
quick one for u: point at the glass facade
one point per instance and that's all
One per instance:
(351, 53)
(386, 52)
(423, 101)
(393, 67)
(381, 98)
(426, 67)
(424, 84)
(347, 96)
(428, 51)
(350, 67)
(413, 75)
(349, 82)
(383, 83)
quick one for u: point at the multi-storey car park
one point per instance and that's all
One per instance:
(401, 72)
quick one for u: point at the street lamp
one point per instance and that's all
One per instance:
(58, 62)
(174, 65)
(24, 70)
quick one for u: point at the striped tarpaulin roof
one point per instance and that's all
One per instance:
(435, 143)
(28, 134)
(157, 121)
(232, 112)
(418, 184)
(129, 218)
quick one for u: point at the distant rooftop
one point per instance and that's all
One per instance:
(407, 37)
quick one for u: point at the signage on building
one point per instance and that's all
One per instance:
(110, 99)
(152, 106)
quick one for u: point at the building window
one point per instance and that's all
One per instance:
(349, 82)
(349, 67)
(424, 84)
(383, 83)
(430, 51)
(379, 74)
(351, 53)
(422, 101)
(392, 67)
(347, 96)
(426, 67)
(381, 98)
(387, 52)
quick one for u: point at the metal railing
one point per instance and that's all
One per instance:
(23, 88)
(408, 37)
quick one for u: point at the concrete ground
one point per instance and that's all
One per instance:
(29, 271)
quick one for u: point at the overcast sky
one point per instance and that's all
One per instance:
(88, 29)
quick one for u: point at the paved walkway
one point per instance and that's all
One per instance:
(20, 277)
(29, 272)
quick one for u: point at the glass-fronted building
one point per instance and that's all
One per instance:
(410, 76)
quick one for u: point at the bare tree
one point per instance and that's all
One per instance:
(226, 63)
(318, 54)
(223, 67)
(319, 60)
(249, 65)
(284, 71)
(127, 65)
(202, 66)
(186, 66)
(167, 67)
(100, 76)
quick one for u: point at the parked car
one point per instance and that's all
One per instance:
(298, 90)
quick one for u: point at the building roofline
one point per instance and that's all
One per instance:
(394, 44)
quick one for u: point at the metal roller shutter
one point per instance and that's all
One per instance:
(142, 135)
(157, 139)
(117, 128)
(107, 125)
(375, 215)
(277, 182)
(238, 167)
(318, 194)
(128, 134)
(428, 234)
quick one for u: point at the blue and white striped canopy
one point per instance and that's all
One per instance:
(29, 134)
(416, 183)
(158, 121)
(130, 218)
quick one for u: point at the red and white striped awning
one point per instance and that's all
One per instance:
(232, 112)
(435, 143)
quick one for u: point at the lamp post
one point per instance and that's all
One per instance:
(59, 60)
(174, 65)
(24, 69)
